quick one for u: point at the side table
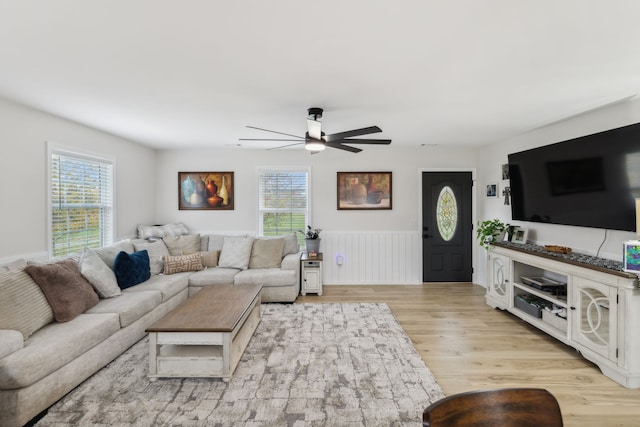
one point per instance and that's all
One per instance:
(311, 272)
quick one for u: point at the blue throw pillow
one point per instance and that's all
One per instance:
(132, 269)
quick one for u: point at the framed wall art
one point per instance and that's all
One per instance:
(364, 190)
(520, 235)
(492, 190)
(205, 190)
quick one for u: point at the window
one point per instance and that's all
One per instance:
(81, 202)
(284, 201)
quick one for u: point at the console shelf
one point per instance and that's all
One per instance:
(586, 302)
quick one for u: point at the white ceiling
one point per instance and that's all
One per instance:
(173, 74)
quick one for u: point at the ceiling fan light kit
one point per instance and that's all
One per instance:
(315, 139)
(313, 145)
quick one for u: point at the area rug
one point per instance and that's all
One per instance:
(306, 365)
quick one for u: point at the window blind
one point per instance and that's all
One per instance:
(283, 201)
(81, 192)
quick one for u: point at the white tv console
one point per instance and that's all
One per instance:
(602, 303)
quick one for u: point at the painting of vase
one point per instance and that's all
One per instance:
(364, 190)
(205, 190)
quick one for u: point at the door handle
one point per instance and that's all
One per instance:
(426, 236)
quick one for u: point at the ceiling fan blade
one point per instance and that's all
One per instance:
(315, 129)
(364, 141)
(283, 146)
(343, 147)
(268, 139)
(273, 131)
(356, 132)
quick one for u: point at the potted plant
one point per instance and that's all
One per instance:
(491, 230)
(312, 239)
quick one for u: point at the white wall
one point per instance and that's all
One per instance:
(405, 164)
(580, 239)
(23, 182)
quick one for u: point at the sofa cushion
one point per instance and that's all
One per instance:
(67, 292)
(10, 341)
(236, 252)
(157, 250)
(108, 253)
(266, 277)
(182, 245)
(159, 231)
(54, 346)
(182, 263)
(101, 277)
(266, 253)
(213, 276)
(168, 286)
(130, 306)
(132, 269)
(23, 306)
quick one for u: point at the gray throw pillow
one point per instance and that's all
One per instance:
(266, 253)
(182, 245)
(157, 250)
(101, 277)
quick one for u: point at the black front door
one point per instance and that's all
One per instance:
(446, 226)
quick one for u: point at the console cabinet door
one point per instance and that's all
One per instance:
(596, 311)
(498, 288)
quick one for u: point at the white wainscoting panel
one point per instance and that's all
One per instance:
(372, 257)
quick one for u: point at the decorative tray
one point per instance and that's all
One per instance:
(557, 249)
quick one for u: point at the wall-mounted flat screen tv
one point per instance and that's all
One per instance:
(591, 181)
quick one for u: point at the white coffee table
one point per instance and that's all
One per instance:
(206, 335)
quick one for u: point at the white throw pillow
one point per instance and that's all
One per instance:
(101, 277)
(236, 252)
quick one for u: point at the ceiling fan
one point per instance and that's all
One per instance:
(315, 140)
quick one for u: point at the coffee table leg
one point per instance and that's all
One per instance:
(153, 353)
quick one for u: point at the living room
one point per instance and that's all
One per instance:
(146, 178)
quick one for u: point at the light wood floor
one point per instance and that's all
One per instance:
(467, 345)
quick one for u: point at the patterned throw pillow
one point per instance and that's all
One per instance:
(181, 263)
(236, 252)
(132, 269)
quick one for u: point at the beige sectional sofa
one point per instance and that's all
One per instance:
(41, 362)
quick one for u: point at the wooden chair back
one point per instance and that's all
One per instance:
(507, 407)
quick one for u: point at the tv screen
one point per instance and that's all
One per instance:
(591, 181)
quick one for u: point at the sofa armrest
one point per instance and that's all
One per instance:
(291, 262)
(10, 342)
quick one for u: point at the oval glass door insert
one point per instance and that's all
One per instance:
(447, 213)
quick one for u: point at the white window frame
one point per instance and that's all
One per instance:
(307, 211)
(56, 149)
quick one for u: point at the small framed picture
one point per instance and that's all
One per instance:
(631, 256)
(520, 235)
(492, 190)
(505, 171)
